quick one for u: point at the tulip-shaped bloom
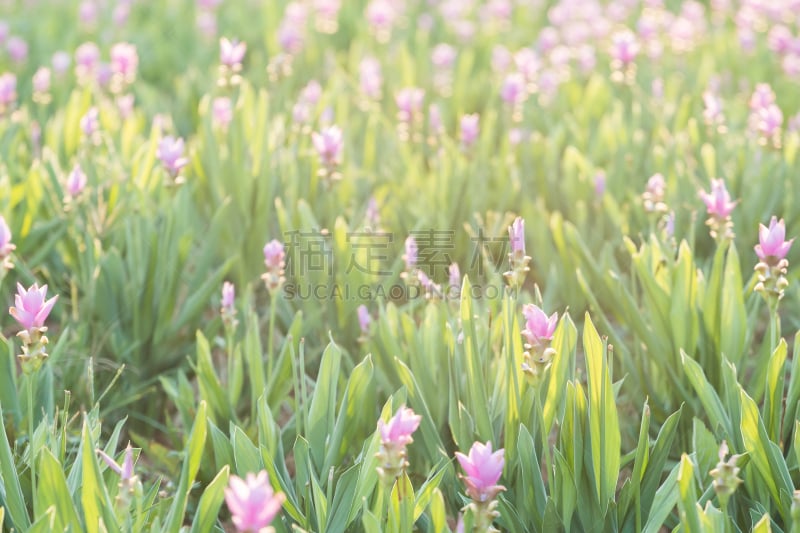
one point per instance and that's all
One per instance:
(410, 258)
(328, 144)
(725, 475)
(483, 469)
(227, 305)
(538, 334)
(432, 290)
(409, 104)
(171, 154)
(87, 61)
(252, 503)
(6, 246)
(370, 77)
(517, 259)
(712, 111)
(8, 92)
(395, 436)
(773, 265)
(129, 485)
(470, 129)
(76, 182)
(514, 89)
(274, 260)
(31, 310)
(17, 49)
(624, 48)
(41, 85)
(719, 206)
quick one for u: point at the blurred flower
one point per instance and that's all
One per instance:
(90, 123)
(772, 241)
(443, 56)
(409, 103)
(517, 260)
(60, 62)
(653, 196)
(599, 184)
(483, 468)
(779, 39)
(725, 475)
(76, 181)
(274, 260)
(513, 91)
(410, 257)
(87, 61)
(228, 307)
(6, 246)
(17, 49)
(470, 129)
(762, 97)
(381, 15)
(373, 214)
(221, 112)
(395, 436)
(328, 144)
(311, 93)
(454, 272)
(432, 289)
(125, 105)
(231, 53)
(31, 309)
(364, 320)
(712, 110)
(8, 92)
(125, 471)
(370, 77)
(171, 154)
(252, 502)
(228, 294)
(88, 11)
(624, 47)
(124, 62)
(206, 23)
(41, 80)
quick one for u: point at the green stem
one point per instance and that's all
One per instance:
(29, 386)
(272, 311)
(540, 424)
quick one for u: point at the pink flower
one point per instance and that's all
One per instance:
(483, 468)
(90, 122)
(443, 56)
(252, 502)
(125, 471)
(397, 432)
(329, 145)
(124, 61)
(274, 255)
(624, 47)
(228, 295)
(370, 77)
(364, 320)
(87, 60)
(769, 120)
(513, 91)
(6, 246)
(17, 49)
(454, 275)
(470, 129)
(231, 53)
(762, 97)
(222, 112)
(76, 181)
(539, 328)
(60, 62)
(311, 93)
(516, 236)
(8, 90)
(409, 102)
(772, 240)
(41, 80)
(718, 201)
(171, 154)
(30, 308)
(410, 256)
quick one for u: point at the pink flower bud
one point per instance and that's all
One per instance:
(228, 295)
(329, 145)
(718, 201)
(17, 49)
(252, 502)
(513, 91)
(409, 102)
(516, 236)
(455, 275)
(124, 61)
(470, 129)
(41, 80)
(274, 255)
(221, 112)
(8, 91)
(231, 53)
(483, 469)
(397, 432)
(76, 181)
(171, 154)
(6, 246)
(364, 320)
(30, 308)
(624, 47)
(539, 328)
(410, 256)
(772, 240)
(90, 122)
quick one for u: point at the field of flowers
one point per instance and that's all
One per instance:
(400, 265)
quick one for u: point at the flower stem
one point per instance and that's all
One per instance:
(271, 341)
(29, 385)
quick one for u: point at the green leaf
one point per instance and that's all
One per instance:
(14, 501)
(210, 502)
(193, 454)
(54, 492)
(603, 420)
